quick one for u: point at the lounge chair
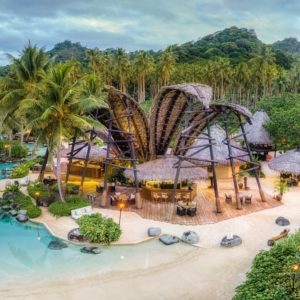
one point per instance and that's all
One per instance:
(191, 211)
(79, 212)
(180, 211)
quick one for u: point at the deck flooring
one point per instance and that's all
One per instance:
(206, 210)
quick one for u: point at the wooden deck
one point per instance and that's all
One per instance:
(206, 212)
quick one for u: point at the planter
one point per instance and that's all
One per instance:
(240, 185)
(278, 197)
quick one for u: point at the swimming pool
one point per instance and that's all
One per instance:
(24, 255)
(4, 166)
(40, 151)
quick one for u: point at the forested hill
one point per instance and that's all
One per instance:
(289, 45)
(237, 44)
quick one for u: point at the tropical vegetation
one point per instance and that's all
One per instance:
(98, 229)
(273, 275)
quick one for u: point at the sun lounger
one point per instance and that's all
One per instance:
(79, 212)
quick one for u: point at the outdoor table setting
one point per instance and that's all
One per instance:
(186, 208)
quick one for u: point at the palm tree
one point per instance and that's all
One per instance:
(26, 73)
(143, 64)
(166, 65)
(122, 65)
(59, 110)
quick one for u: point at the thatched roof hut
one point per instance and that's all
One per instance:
(97, 153)
(289, 162)
(220, 149)
(165, 169)
(256, 133)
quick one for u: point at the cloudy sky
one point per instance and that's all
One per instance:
(138, 24)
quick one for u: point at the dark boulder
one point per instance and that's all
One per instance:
(281, 221)
(90, 250)
(168, 239)
(232, 241)
(75, 235)
(13, 213)
(57, 245)
(6, 207)
(190, 237)
(22, 218)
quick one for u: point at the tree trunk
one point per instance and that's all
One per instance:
(22, 135)
(58, 172)
(42, 172)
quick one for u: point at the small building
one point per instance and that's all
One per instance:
(258, 137)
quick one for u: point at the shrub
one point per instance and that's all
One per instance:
(20, 171)
(71, 188)
(98, 229)
(63, 209)
(23, 201)
(270, 276)
(18, 151)
(37, 187)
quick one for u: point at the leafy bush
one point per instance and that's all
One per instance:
(18, 151)
(270, 276)
(71, 188)
(37, 187)
(63, 209)
(98, 229)
(23, 201)
(20, 171)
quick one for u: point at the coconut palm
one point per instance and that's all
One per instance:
(166, 66)
(143, 64)
(59, 110)
(122, 65)
(21, 83)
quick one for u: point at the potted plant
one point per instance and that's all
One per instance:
(281, 188)
(240, 178)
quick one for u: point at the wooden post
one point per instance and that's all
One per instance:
(87, 158)
(236, 190)
(215, 181)
(256, 171)
(71, 158)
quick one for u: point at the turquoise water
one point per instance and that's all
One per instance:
(40, 151)
(5, 166)
(24, 255)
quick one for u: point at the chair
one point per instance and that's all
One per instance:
(180, 211)
(191, 211)
(186, 197)
(178, 197)
(228, 198)
(164, 197)
(131, 199)
(156, 197)
(248, 199)
(113, 201)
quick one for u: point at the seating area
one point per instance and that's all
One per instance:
(79, 212)
(117, 198)
(188, 208)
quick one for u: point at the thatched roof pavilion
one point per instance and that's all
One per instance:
(256, 133)
(165, 169)
(97, 153)
(289, 162)
(220, 149)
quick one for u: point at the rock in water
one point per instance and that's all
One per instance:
(13, 213)
(281, 221)
(57, 245)
(233, 241)
(154, 231)
(190, 237)
(168, 239)
(22, 218)
(22, 212)
(90, 250)
(75, 235)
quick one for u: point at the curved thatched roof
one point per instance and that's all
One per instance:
(120, 103)
(165, 169)
(219, 148)
(169, 106)
(96, 153)
(289, 162)
(256, 132)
